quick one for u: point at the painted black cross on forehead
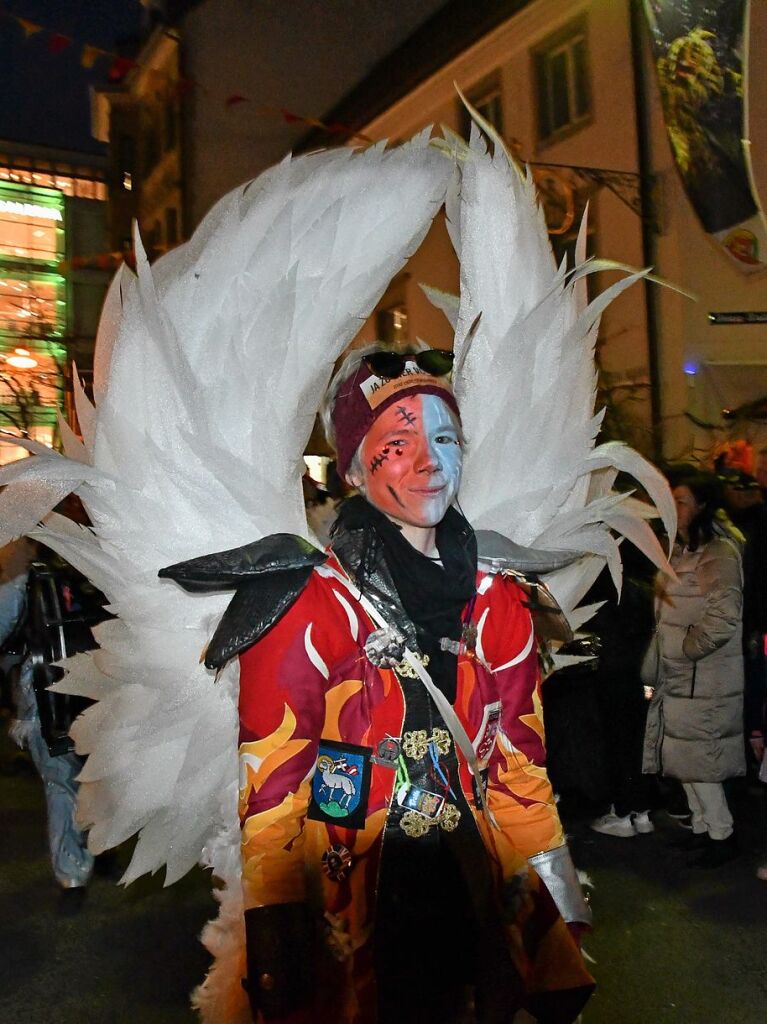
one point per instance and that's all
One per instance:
(410, 418)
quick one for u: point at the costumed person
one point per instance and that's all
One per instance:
(361, 773)
(694, 670)
(210, 368)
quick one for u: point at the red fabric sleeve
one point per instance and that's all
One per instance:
(283, 679)
(519, 793)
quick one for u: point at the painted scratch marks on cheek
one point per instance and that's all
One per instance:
(394, 495)
(378, 460)
(408, 417)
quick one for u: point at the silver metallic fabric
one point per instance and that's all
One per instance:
(496, 553)
(557, 872)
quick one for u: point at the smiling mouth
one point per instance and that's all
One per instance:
(428, 490)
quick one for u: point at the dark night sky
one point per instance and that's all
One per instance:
(44, 96)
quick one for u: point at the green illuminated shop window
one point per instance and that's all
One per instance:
(31, 223)
(31, 306)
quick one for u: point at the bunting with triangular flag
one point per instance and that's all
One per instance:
(57, 43)
(30, 28)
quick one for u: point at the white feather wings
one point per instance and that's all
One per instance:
(210, 367)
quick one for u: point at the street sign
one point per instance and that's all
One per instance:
(752, 317)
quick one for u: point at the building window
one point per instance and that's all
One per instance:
(391, 324)
(31, 308)
(562, 82)
(11, 452)
(28, 238)
(31, 224)
(486, 100)
(47, 177)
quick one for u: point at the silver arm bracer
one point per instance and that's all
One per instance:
(556, 870)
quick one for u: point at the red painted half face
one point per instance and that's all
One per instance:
(411, 461)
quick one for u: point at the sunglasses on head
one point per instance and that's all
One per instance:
(433, 361)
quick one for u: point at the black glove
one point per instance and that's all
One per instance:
(280, 957)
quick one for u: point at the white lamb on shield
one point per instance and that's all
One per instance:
(333, 780)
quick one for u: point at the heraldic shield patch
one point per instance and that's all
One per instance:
(341, 784)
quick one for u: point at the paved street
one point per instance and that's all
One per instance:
(671, 945)
(128, 955)
(675, 944)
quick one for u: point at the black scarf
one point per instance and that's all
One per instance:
(433, 596)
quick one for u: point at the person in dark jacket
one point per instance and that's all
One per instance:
(624, 628)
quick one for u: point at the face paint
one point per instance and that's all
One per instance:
(411, 461)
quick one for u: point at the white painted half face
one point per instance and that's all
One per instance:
(411, 461)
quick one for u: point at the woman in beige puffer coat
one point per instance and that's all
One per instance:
(695, 720)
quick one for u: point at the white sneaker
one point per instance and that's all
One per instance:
(642, 823)
(611, 825)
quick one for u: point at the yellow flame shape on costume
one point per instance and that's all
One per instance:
(269, 753)
(535, 721)
(272, 858)
(535, 827)
(335, 701)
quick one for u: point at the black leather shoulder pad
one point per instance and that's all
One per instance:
(256, 606)
(225, 570)
(267, 576)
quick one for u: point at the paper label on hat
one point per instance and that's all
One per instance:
(378, 389)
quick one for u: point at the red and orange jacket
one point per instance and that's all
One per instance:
(309, 695)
